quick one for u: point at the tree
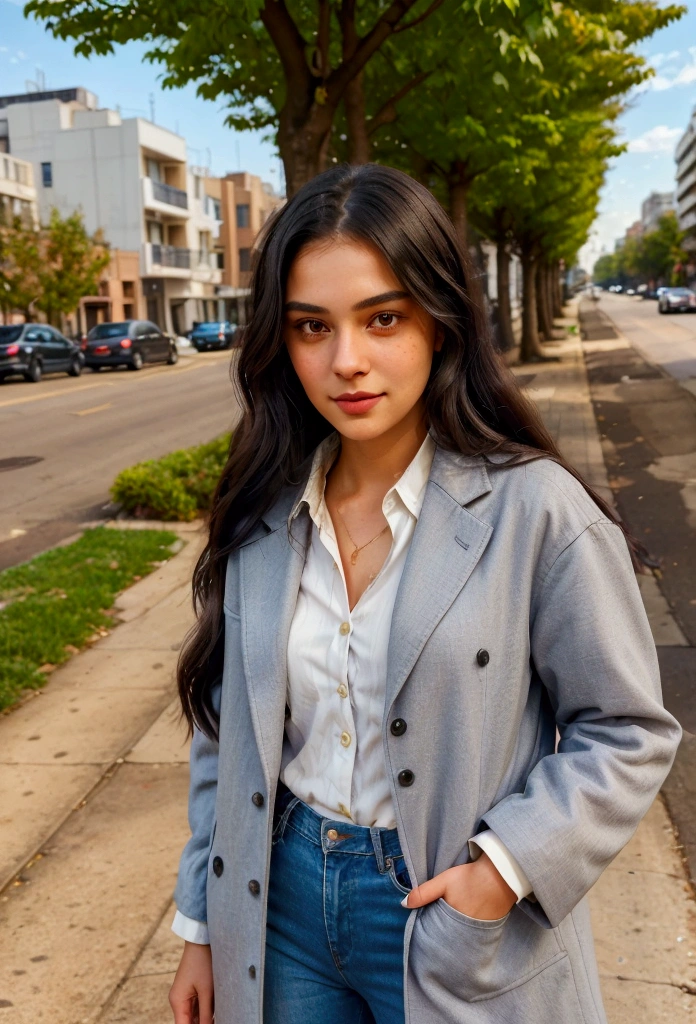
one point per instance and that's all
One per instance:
(48, 269)
(283, 65)
(20, 264)
(72, 263)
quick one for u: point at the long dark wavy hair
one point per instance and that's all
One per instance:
(473, 402)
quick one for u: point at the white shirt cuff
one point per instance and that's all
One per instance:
(190, 930)
(487, 842)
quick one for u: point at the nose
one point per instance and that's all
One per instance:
(350, 356)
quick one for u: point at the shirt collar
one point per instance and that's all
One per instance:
(410, 487)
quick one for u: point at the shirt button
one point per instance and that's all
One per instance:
(342, 691)
(344, 628)
(345, 739)
(332, 834)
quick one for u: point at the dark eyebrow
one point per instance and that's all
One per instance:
(376, 300)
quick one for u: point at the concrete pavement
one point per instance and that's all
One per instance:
(94, 816)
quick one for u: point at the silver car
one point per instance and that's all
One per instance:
(677, 300)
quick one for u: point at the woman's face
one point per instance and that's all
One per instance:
(360, 345)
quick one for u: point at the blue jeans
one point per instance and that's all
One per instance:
(335, 938)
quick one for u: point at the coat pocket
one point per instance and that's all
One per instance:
(475, 960)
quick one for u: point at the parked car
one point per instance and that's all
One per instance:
(130, 343)
(213, 334)
(674, 300)
(30, 350)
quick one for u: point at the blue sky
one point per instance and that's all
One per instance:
(655, 117)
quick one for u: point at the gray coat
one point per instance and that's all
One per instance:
(515, 561)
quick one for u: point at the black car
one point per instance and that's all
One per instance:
(213, 334)
(30, 350)
(130, 343)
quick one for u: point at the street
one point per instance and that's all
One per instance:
(64, 440)
(669, 341)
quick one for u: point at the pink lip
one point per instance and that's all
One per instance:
(357, 402)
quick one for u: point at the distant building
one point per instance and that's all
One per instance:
(685, 156)
(635, 230)
(655, 206)
(17, 192)
(130, 178)
(244, 204)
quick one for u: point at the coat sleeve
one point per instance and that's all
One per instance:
(592, 647)
(190, 892)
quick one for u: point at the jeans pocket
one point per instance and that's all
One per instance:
(281, 817)
(399, 876)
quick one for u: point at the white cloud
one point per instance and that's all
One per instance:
(659, 139)
(670, 77)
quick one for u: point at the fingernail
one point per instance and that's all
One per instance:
(404, 902)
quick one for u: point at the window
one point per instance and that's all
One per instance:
(217, 209)
(127, 310)
(128, 291)
(243, 215)
(244, 260)
(153, 169)
(47, 175)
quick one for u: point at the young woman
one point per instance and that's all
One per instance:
(405, 594)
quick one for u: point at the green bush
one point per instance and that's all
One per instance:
(177, 486)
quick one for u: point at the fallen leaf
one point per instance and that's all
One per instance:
(113, 565)
(47, 668)
(71, 649)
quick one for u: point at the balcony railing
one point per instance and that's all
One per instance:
(687, 203)
(184, 259)
(168, 194)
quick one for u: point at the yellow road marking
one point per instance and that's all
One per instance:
(172, 372)
(95, 408)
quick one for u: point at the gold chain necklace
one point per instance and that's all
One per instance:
(356, 552)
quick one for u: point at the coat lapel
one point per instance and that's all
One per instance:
(447, 543)
(270, 573)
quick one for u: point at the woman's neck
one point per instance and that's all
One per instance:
(375, 465)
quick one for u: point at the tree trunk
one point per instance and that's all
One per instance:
(303, 146)
(457, 207)
(506, 337)
(531, 350)
(543, 325)
(558, 291)
(359, 143)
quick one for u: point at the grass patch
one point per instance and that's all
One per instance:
(176, 487)
(50, 607)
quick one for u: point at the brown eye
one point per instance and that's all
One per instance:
(386, 319)
(315, 326)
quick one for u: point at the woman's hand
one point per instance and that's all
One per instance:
(476, 889)
(191, 995)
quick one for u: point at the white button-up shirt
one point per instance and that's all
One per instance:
(333, 756)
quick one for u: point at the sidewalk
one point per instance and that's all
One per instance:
(93, 791)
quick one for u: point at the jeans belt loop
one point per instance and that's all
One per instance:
(376, 836)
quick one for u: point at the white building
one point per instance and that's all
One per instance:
(685, 156)
(17, 192)
(655, 206)
(130, 179)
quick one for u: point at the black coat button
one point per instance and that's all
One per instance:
(483, 657)
(398, 727)
(254, 887)
(218, 866)
(252, 971)
(406, 777)
(257, 799)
